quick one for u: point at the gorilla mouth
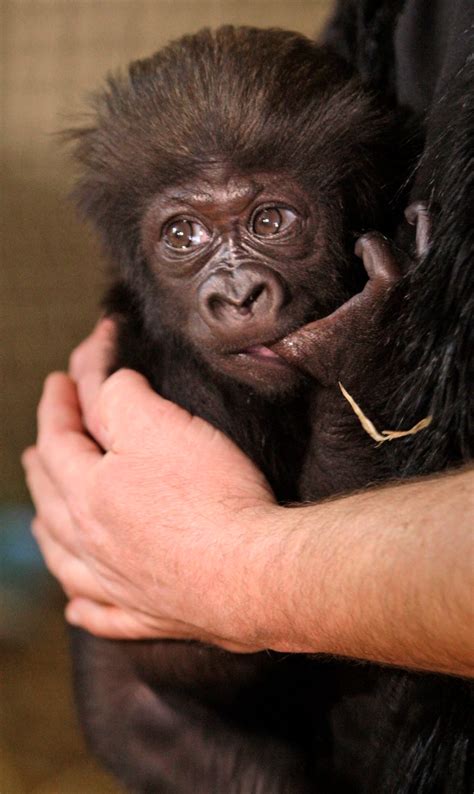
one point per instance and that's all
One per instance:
(262, 354)
(261, 351)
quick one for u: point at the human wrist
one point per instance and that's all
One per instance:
(299, 582)
(269, 566)
(314, 588)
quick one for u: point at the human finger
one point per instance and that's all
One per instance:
(130, 409)
(65, 451)
(88, 366)
(50, 505)
(72, 573)
(107, 620)
(112, 622)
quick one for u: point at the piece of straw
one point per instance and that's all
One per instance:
(384, 435)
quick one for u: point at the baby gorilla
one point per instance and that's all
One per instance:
(229, 176)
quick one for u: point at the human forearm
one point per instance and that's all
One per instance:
(383, 575)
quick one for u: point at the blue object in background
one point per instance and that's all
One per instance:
(25, 585)
(20, 559)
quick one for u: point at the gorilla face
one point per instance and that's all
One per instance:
(239, 261)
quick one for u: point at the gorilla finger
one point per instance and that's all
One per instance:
(313, 349)
(379, 258)
(417, 214)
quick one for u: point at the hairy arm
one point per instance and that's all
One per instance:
(385, 574)
(161, 527)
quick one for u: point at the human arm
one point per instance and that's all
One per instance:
(174, 533)
(392, 567)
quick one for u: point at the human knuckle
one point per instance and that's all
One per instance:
(62, 569)
(76, 359)
(80, 512)
(41, 515)
(43, 446)
(28, 457)
(115, 381)
(36, 526)
(54, 561)
(52, 379)
(111, 389)
(96, 499)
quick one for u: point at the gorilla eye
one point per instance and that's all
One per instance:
(270, 221)
(183, 234)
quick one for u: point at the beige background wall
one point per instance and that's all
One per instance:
(52, 53)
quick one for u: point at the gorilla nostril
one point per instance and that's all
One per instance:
(246, 298)
(219, 305)
(252, 298)
(214, 304)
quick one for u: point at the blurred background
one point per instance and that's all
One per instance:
(52, 54)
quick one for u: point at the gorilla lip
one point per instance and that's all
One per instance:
(261, 351)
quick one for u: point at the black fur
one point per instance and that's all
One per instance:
(426, 746)
(438, 338)
(361, 32)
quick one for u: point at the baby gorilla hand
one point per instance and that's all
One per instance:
(351, 342)
(340, 347)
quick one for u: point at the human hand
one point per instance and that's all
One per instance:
(88, 366)
(154, 537)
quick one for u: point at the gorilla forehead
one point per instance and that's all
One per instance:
(254, 99)
(219, 184)
(215, 95)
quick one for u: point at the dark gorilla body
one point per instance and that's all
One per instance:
(229, 175)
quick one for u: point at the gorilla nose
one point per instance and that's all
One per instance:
(239, 303)
(230, 299)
